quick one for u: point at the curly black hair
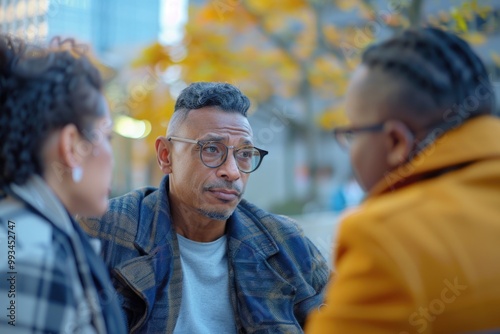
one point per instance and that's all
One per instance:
(438, 64)
(42, 89)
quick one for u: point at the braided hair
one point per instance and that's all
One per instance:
(41, 90)
(438, 66)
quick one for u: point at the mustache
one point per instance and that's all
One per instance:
(224, 185)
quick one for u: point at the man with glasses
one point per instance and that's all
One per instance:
(422, 253)
(194, 257)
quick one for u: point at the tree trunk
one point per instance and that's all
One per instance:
(415, 13)
(311, 135)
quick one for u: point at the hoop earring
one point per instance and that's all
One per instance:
(77, 174)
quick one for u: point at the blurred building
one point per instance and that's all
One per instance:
(25, 18)
(107, 25)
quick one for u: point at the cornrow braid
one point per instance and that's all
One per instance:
(438, 63)
(41, 90)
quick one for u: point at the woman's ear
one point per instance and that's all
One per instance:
(72, 148)
(400, 142)
(163, 154)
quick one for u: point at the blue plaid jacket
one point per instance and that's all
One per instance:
(276, 275)
(58, 283)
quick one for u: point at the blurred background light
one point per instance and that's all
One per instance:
(131, 128)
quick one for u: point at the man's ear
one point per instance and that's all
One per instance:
(71, 147)
(400, 142)
(163, 154)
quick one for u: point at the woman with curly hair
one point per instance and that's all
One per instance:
(55, 163)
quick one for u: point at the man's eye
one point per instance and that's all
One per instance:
(246, 153)
(211, 148)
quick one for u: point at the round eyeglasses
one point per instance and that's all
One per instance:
(213, 154)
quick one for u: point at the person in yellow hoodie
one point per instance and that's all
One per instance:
(421, 254)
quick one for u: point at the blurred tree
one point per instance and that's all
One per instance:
(293, 53)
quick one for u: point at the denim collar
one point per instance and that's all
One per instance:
(244, 226)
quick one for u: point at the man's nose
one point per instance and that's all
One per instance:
(229, 169)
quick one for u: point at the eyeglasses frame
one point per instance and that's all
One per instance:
(351, 131)
(201, 143)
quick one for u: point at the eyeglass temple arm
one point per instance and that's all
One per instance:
(262, 152)
(191, 141)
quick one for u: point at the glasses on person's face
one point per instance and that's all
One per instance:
(213, 154)
(345, 135)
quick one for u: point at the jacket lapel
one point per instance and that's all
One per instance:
(158, 271)
(263, 296)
